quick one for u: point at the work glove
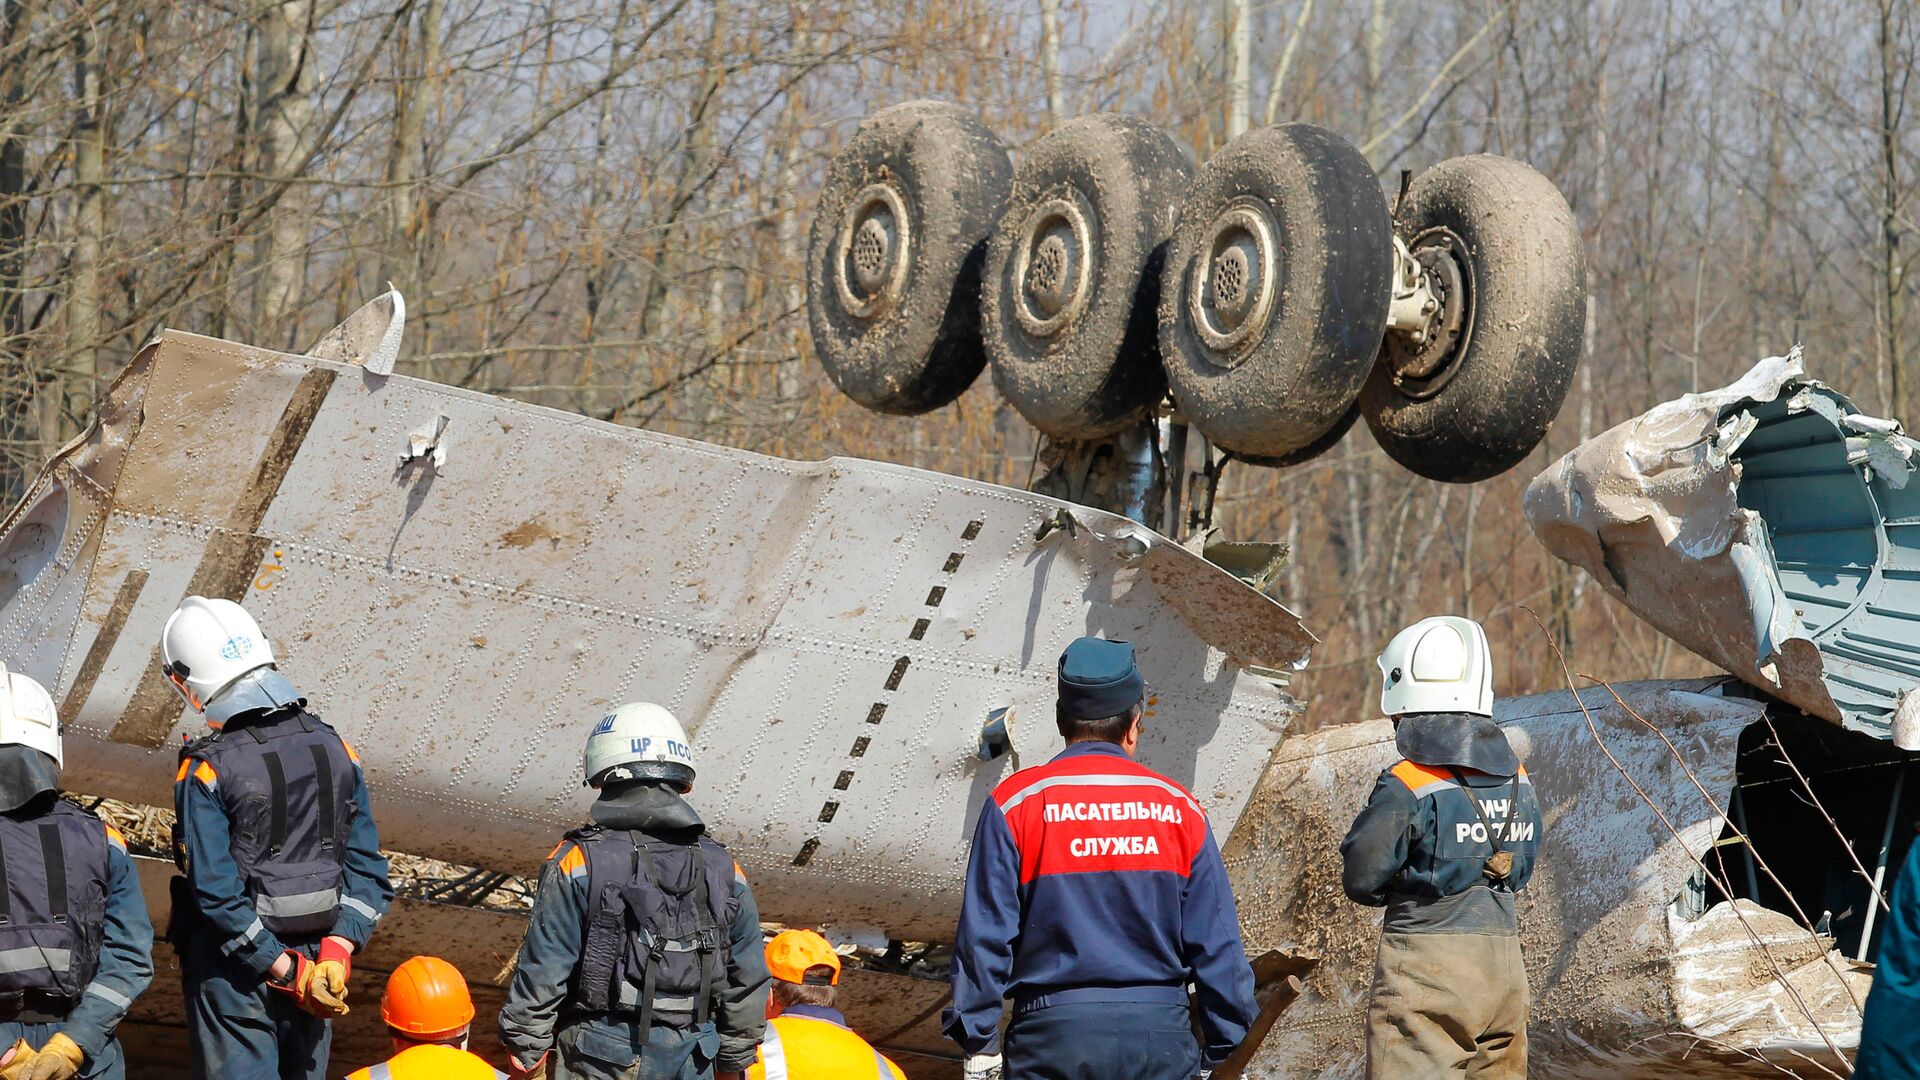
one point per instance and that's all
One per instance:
(299, 983)
(13, 1064)
(59, 1059)
(328, 989)
(983, 1067)
(535, 1071)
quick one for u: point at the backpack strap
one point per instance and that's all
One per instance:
(277, 785)
(705, 938)
(6, 892)
(323, 769)
(54, 852)
(606, 922)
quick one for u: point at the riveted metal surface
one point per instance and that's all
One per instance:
(465, 623)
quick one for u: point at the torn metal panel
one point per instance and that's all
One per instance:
(1616, 972)
(1769, 527)
(463, 583)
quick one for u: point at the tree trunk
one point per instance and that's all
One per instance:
(90, 139)
(1240, 65)
(414, 98)
(1892, 285)
(1050, 59)
(286, 80)
(17, 382)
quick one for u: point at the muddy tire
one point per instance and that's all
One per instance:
(895, 253)
(1071, 292)
(1478, 397)
(1276, 289)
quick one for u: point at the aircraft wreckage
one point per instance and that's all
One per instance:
(460, 579)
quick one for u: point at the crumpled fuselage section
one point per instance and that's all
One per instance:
(1769, 526)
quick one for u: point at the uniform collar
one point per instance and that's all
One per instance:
(816, 1012)
(1091, 746)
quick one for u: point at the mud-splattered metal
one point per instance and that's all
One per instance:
(464, 584)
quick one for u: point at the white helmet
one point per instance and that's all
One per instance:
(27, 715)
(639, 741)
(207, 651)
(1437, 665)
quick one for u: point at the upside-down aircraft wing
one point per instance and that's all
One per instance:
(463, 584)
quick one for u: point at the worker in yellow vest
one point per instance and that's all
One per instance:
(807, 1038)
(428, 1013)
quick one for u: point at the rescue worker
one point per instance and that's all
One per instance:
(643, 954)
(1447, 839)
(73, 924)
(1094, 895)
(1889, 1038)
(807, 1038)
(283, 880)
(429, 1014)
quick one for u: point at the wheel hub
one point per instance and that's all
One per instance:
(1231, 295)
(1424, 362)
(1053, 264)
(874, 249)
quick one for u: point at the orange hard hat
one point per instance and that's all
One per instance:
(426, 999)
(792, 952)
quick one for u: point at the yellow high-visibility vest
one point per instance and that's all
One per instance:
(816, 1048)
(431, 1063)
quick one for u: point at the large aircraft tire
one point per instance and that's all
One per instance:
(1477, 397)
(1276, 290)
(1072, 285)
(895, 253)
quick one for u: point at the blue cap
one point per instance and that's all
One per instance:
(1099, 679)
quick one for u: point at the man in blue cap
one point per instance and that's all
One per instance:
(1095, 895)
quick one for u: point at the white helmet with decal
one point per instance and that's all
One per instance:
(639, 741)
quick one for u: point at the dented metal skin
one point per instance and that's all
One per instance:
(463, 584)
(1623, 984)
(1768, 526)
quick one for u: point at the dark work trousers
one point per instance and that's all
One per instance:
(1102, 1040)
(239, 1028)
(110, 1066)
(605, 1048)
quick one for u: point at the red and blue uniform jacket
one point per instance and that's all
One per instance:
(1093, 878)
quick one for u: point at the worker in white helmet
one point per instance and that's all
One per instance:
(1447, 839)
(643, 953)
(283, 880)
(73, 923)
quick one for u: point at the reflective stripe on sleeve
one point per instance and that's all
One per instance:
(880, 1066)
(360, 907)
(254, 931)
(109, 994)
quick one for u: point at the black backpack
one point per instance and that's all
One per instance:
(659, 915)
